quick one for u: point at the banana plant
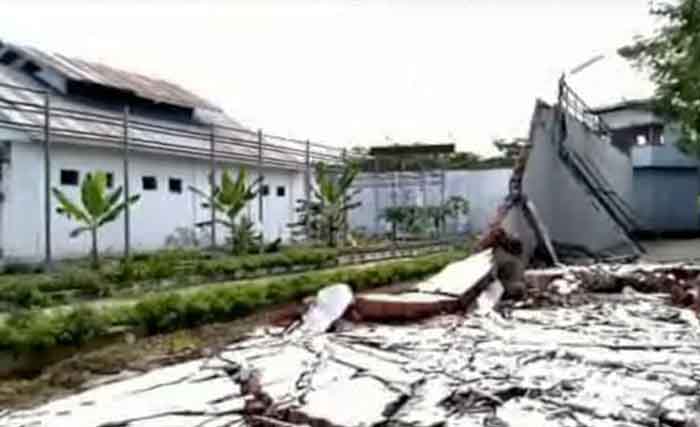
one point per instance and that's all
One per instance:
(325, 215)
(230, 198)
(451, 208)
(96, 209)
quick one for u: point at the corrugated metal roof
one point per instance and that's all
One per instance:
(76, 122)
(84, 71)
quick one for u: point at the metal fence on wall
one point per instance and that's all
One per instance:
(48, 122)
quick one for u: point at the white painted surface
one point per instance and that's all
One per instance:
(153, 218)
(483, 189)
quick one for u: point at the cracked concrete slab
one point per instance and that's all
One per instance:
(623, 360)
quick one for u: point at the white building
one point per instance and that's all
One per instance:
(169, 138)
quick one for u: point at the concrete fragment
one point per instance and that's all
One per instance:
(490, 296)
(330, 305)
(404, 306)
(459, 278)
(370, 399)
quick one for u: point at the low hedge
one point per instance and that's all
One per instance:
(43, 290)
(164, 312)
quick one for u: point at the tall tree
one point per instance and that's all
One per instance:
(672, 58)
(97, 208)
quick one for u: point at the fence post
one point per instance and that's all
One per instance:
(377, 182)
(47, 182)
(212, 183)
(346, 226)
(307, 189)
(127, 194)
(260, 193)
(442, 193)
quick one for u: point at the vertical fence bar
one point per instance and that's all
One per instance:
(127, 193)
(443, 176)
(260, 194)
(378, 181)
(47, 181)
(346, 226)
(212, 183)
(307, 189)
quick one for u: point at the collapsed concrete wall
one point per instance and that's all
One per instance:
(580, 184)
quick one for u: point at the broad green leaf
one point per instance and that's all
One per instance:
(70, 209)
(93, 194)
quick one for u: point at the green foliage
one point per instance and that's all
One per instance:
(243, 236)
(89, 283)
(96, 209)
(672, 58)
(412, 219)
(187, 268)
(24, 295)
(39, 330)
(230, 197)
(326, 216)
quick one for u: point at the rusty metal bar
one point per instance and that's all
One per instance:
(47, 181)
(260, 193)
(127, 192)
(212, 184)
(307, 188)
(346, 226)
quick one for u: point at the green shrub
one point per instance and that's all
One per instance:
(23, 295)
(22, 268)
(79, 326)
(89, 282)
(159, 313)
(170, 311)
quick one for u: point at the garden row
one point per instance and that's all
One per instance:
(170, 270)
(37, 330)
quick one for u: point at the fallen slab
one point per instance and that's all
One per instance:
(404, 306)
(460, 279)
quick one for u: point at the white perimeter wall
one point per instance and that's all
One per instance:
(484, 189)
(153, 218)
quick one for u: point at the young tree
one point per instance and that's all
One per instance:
(326, 215)
(229, 199)
(672, 57)
(396, 216)
(98, 208)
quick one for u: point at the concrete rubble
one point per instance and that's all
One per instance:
(507, 337)
(617, 359)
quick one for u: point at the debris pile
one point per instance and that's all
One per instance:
(488, 341)
(631, 360)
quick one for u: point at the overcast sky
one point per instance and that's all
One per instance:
(355, 72)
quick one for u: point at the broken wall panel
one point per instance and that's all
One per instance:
(576, 179)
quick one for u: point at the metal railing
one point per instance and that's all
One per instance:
(50, 120)
(572, 103)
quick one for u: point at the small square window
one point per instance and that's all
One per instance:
(280, 191)
(149, 183)
(110, 180)
(265, 190)
(69, 177)
(175, 185)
